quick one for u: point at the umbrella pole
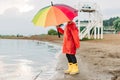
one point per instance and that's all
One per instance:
(51, 3)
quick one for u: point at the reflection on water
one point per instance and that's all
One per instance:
(23, 59)
(23, 70)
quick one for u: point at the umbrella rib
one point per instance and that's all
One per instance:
(46, 17)
(61, 15)
(55, 17)
(51, 17)
(67, 10)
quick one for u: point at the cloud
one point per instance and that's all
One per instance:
(111, 13)
(21, 5)
(12, 22)
(107, 4)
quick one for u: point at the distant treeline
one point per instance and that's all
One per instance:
(109, 22)
(10, 36)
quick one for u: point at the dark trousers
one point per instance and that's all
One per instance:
(71, 58)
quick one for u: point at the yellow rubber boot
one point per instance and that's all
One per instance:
(75, 69)
(69, 68)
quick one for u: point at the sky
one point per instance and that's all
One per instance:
(16, 15)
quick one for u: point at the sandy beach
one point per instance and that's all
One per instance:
(97, 59)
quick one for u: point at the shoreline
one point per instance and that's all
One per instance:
(97, 59)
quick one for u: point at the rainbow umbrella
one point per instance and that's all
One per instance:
(54, 14)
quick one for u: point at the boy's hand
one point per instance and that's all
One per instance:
(57, 26)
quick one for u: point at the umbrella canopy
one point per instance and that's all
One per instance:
(54, 15)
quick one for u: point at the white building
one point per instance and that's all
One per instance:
(90, 20)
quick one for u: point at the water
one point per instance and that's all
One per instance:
(27, 59)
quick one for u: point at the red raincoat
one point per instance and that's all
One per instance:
(71, 39)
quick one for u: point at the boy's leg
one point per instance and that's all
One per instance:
(69, 58)
(73, 58)
(69, 64)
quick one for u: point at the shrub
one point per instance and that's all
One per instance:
(52, 32)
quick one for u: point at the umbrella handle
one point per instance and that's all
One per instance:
(58, 34)
(58, 31)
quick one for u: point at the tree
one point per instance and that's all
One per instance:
(52, 32)
(109, 22)
(116, 24)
